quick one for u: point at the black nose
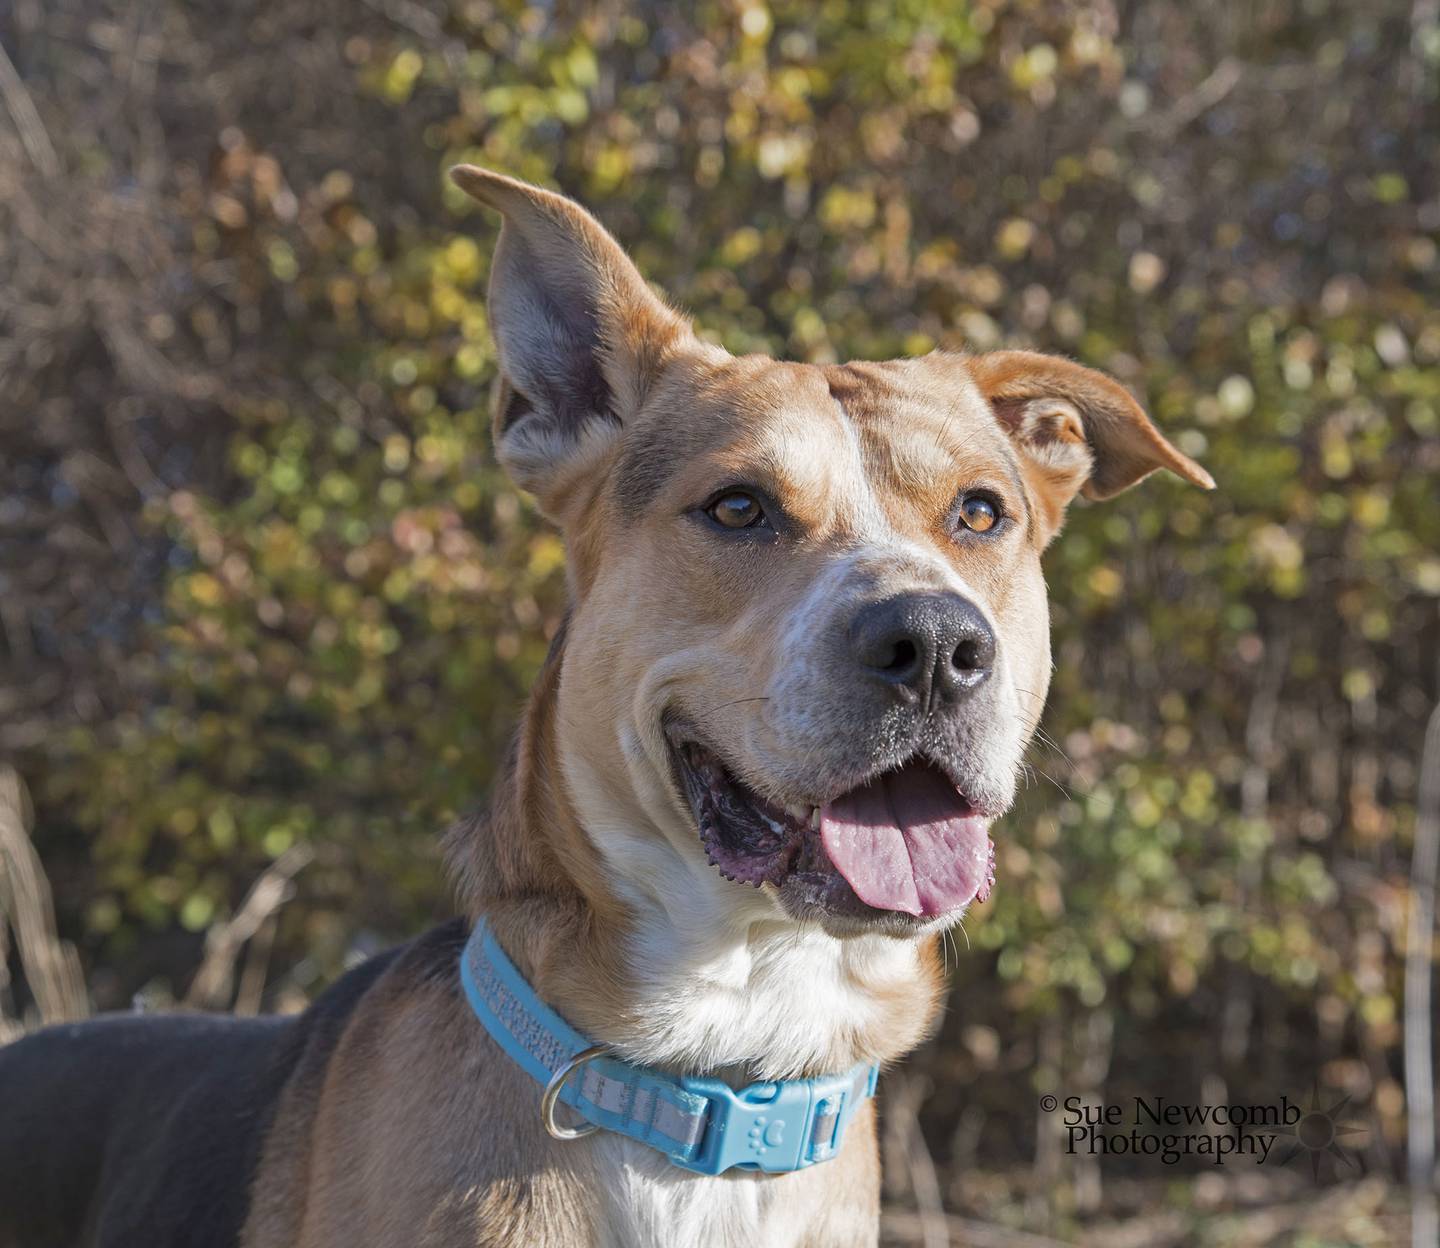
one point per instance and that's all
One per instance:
(937, 647)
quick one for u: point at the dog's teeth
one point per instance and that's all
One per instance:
(796, 812)
(815, 817)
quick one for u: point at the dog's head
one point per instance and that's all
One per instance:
(809, 638)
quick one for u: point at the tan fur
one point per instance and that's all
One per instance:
(418, 1130)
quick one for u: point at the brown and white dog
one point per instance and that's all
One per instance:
(807, 643)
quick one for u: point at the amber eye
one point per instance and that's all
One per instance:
(978, 513)
(736, 510)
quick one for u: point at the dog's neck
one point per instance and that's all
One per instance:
(767, 1000)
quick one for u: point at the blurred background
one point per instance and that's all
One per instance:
(268, 609)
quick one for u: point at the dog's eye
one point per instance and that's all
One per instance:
(979, 513)
(737, 510)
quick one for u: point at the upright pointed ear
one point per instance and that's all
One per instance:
(1079, 430)
(579, 333)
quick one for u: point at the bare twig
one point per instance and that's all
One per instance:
(1222, 80)
(1049, 1160)
(251, 992)
(214, 981)
(1419, 969)
(10, 1024)
(27, 118)
(903, 1227)
(52, 969)
(909, 1150)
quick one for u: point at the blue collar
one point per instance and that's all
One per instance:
(702, 1125)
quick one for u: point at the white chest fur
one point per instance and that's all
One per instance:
(777, 1000)
(645, 1202)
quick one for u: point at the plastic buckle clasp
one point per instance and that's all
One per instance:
(776, 1127)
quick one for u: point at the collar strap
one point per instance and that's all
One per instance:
(702, 1125)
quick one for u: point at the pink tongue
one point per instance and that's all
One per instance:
(908, 841)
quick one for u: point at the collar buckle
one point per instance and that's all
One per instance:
(777, 1127)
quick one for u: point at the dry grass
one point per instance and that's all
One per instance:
(27, 924)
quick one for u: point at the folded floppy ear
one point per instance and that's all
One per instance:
(1079, 430)
(580, 335)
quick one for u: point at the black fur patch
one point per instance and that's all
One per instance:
(148, 1129)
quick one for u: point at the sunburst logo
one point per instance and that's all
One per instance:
(1317, 1133)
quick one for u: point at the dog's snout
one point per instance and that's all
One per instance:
(935, 646)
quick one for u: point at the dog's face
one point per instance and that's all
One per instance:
(808, 639)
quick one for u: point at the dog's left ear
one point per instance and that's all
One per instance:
(1079, 430)
(580, 335)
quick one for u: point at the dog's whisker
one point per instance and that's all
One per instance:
(1046, 739)
(1068, 795)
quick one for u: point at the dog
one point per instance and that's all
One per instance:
(805, 648)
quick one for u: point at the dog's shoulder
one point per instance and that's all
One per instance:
(331, 1058)
(430, 959)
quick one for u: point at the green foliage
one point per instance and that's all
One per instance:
(349, 625)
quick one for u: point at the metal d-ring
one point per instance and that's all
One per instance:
(552, 1095)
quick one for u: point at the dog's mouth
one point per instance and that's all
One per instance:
(905, 841)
